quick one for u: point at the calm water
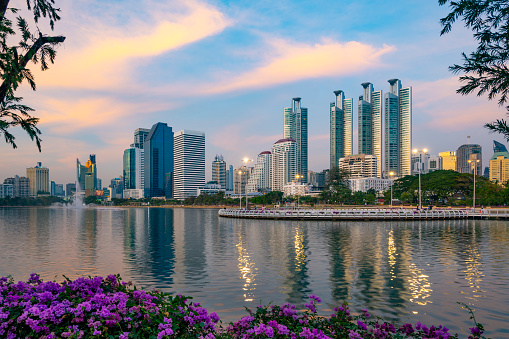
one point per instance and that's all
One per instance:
(405, 271)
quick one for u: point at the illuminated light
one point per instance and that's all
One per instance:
(425, 150)
(414, 151)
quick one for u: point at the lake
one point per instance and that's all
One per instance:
(401, 270)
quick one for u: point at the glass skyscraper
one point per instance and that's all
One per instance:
(341, 115)
(159, 161)
(370, 124)
(398, 129)
(296, 128)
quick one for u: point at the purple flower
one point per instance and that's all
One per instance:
(361, 325)
(313, 296)
(354, 335)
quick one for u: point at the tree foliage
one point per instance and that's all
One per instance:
(485, 70)
(32, 46)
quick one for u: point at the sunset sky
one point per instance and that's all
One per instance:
(228, 68)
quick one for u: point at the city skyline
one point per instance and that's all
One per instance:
(100, 90)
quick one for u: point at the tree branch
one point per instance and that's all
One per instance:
(23, 60)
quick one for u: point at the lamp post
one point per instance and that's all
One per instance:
(421, 152)
(298, 177)
(391, 174)
(475, 172)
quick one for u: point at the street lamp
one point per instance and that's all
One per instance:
(391, 174)
(475, 172)
(298, 177)
(421, 152)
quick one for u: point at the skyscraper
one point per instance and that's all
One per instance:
(341, 116)
(219, 171)
(21, 186)
(260, 179)
(398, 129)
(159, 161)
(283, 164)
(189, 163)
(39, 180)
(240, 179)
(296, 128)
(468, 152)
(133, 168)
(448, 160)
(499, 164)
(140, 136)
(87, 175)
(370, 124)
(229, 178)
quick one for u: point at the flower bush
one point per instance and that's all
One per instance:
(95, 307)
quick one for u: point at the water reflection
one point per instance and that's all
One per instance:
(395, 269)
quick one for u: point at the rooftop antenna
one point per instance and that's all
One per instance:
(468, 139)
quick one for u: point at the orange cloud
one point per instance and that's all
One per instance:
(294, 61)
(103, 62)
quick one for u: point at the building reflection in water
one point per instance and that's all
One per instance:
(296, 282)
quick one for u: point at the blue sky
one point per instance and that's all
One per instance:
(228, 68)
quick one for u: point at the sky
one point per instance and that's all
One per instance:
(228, 68)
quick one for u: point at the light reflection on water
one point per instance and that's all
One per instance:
(405, 271)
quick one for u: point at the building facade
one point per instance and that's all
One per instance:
(140, 136)
(398, 129)
(283, 164)
(20, 186)
(260, 178)
(240, 179)
(341, 128)
(189, 163)
(360, 165)
(159, 161)
(6, 190)
(468, 152)
(370, 124)
(219, 171)
(296, 128)
(499, 164)
(448, 160)
(133, 170)
(39, 180)
(365, 184)
(87, 176)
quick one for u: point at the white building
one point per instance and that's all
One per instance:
(359, 165)
(6, 190)
(260, 177)
(210, 189)
(283, 165)
(189, 153)
(365, 184)
(435, 163)
(240, 179)
(296, 188)
(133, 193)
(423, 159)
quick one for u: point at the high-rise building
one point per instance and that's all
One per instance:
(296, 128)
(341, 125)
(140, 136)
(317, 179)
(499, 164)
(240, 179)
(219, 171)
(39, 180)
(260, 179)
(283, 164)
(20, 185)
(448, 160)
(359, 165)
(159, 161)
(398, 129)
(70, 189)
(420, 162)
(6, 190)
(87, 175)
(133, 168)
(370, 124)
(57, 190)
(189, 163)
(468, 152)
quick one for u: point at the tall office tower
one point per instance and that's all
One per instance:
(140, 136)
(296, 128)
(219, 171)
(370, 124)
(260, 179)
(468, 152)
(133, 168)
(39, 180)
(359, 165)
(240, 178)
(283, 164)
(189, 163)
(87, 175)
(229, 180)
(21, 186)
(448, 160)
(398, 129)
(159, 161)
(341, 126)
(499, 164)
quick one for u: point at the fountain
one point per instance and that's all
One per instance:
(78, 196)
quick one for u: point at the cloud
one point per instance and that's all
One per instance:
(106, 60)
(438, 106)
(291, 61)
